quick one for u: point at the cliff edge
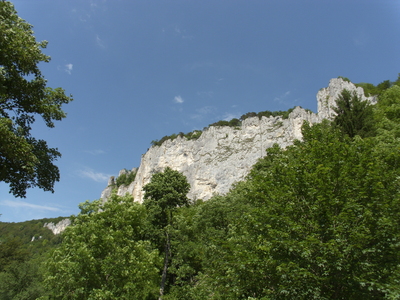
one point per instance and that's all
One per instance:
(224, 155)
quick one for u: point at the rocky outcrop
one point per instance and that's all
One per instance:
(113, 184)
(59, 227)
(106, 193)
(326, 97)
(225, 155)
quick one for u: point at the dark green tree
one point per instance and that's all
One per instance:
(22, 280)
(25, 161)
(354, 116)
(166, 192)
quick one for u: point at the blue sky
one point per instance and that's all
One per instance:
(140, 70)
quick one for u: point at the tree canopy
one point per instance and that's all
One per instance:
(316, 220)
(25, 161)
(354, 116)
(104, 254)
(165, 193)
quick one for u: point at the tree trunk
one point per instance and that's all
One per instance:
(166, 261)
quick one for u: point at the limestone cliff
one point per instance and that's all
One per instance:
(224, 155)
(59, 227)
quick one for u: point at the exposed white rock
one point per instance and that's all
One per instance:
(326, 97)
(34, 238)
(59, 227)
(224, 155)
(106, 193)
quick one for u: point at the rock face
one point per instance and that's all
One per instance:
(326, 97)
(59, 227)
(224, 155)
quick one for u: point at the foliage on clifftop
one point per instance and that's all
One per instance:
(369, 90)
(126, 178)
(372, 90)
(194, 135)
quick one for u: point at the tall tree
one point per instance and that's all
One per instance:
(24, 160)
(354, 116)
(163, 195)
(104, 255)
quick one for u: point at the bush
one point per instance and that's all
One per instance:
(126, 178)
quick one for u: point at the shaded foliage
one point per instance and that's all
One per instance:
(25, 161)
(354, 116)
(44, 239)
(23, 248)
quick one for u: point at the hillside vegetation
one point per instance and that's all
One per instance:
(317, 220)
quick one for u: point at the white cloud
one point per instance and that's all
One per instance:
(68, 68)
(178, 99)
(96, 176)
(23, 204)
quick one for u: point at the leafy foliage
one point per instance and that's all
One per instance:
(232, 123)
(21, 257)
(22, 280)
(354, 116)
(44, 239)
(104, 255)
(193, 135)
(126, 178)
(372, 90)
(164, 194)
(344, 78)
(25, 162)
(318, 220)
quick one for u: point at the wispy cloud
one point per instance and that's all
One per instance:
(208, 94)
(178, 99)
(96, 176)
(95, 152)
(282, 97)
(23, 204)
(199, 65)
(100, 42)
(203, 112)
(68, 68)
(229, 116)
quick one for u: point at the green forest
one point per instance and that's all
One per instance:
(317, 220)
